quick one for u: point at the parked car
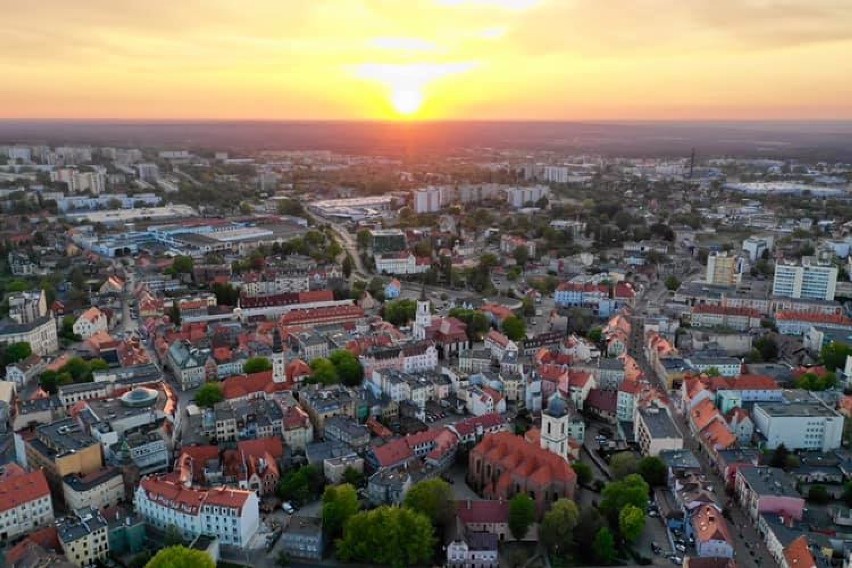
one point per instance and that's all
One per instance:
(676, 560)
(288, 508)
(680, 548)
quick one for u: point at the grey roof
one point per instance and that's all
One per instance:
(679, 459)
(769, 481)
(659, 423)
(307, 526)
(481, 541)
(12, 327)
(84, 522)
(798, 409)
(84, 483)
(61, 437)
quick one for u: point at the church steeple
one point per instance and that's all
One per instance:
(279, 372)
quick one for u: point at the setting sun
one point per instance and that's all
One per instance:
(407, 101)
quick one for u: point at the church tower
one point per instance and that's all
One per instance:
(279, 374)
(555, 427)
(423, 316)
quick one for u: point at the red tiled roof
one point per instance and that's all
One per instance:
(295, 417)
(708, 524)
(522, 458)
(191, 499)
(603, 400)
(316, 296)
(482, 512)
(468, 426)
(725, 310)
(798, 554)
(743, 382)
(16, 490)
(261, 446)
(838, 319)
(244, 385)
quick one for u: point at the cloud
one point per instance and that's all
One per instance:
(403, 44)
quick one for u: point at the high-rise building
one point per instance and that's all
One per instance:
(148, 172)
(427, 200)
(807, 280)
(723, 270)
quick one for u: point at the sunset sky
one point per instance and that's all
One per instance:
(426, 59)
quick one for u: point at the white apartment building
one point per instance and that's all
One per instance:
(231, 515)
(80, 182)
(519, 197)
(40, 334)
(806, 280)
(428, 200)
(756, 246)
(90, 322)
(723, 270)
(27, 306)
(799, 425)
(148, 172)
(401, 263)
(25, 503)
(557, 174)
(655, 431)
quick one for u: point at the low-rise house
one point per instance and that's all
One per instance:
(711, 533)
(769, 490)
(347, 431)
(102, 488)
(388, 486)
(473, 550)
(23, 372)
(84, 537)
(91, 322)
(335, 468)
(303, 538)
(485, 516)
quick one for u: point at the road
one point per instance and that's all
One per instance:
(749, 548)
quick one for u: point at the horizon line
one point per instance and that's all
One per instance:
(426, 122)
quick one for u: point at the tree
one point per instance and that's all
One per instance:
(767, 347)
(779, 456)
(183, 264)
(632, 490)
(172, 536)
(323, 372)
(595, 334)
(603, 546)
(353, 477)
(521, 255)
(672, 283)
(300, 484)
(814, 382)
(557, 526)
(226, 295)
(348, 367)
(347, 266)
(583, 471)
(653, 470)
(433, 498)
(631, 522)
(256, 365)
(78, 368)
(180, 557)
(514, 328)
(623, 464)
(399, 312)
(339, 502)
(174, 314)
(290, 207)
(521, 515)
(818, 495)
(390, 536)
(16, 352)
(209, 394)
(588, 525)
(834, 355)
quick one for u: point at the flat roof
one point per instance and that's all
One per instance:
(659, 423)
(798, 409)
(770, 481)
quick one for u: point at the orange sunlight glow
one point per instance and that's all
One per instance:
(407, 82)
(406, 101)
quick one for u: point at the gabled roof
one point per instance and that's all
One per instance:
(21, 488)
(708, 524)
(482, 512)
